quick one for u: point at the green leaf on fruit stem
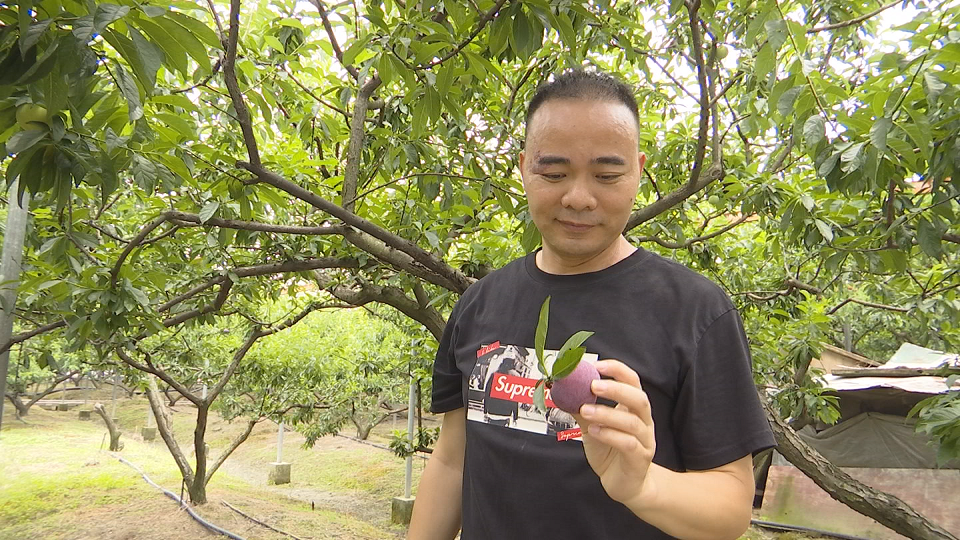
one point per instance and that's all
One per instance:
(575, 341)
(540, 341)
(567, 362)
(539, 396)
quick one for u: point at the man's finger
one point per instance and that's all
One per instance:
(617, 370)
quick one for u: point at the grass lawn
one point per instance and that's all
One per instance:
(57, 482)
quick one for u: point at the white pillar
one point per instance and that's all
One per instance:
(280, 442)
(411, 403)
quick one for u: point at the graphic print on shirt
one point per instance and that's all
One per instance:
(501, 387)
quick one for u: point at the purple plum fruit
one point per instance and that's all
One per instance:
(572, 391)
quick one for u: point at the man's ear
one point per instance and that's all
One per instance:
(642, 160)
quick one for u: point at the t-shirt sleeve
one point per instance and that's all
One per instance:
(447, 392)
(718, 418)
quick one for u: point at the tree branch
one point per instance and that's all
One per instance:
(51, 388)
(690, 241)
(868, 304)
(851, 22)
(133, 245)
(714, 172)
(166, 433)
(236, 95)
(184, 219)
(355, 146)
(487, 17)
(164, 376)
(443, 275)
(23, 336)
(333, 39)
(429, 317)
(238, 355)
(229, 450)
(883, 507)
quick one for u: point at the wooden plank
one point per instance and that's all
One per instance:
(895, 372)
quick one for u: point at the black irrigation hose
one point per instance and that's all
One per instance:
(798, 528)
(179, 501)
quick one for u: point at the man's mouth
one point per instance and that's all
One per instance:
(575, 225)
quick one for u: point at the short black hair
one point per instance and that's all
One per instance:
(580, 84)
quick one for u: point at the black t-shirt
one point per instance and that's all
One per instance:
(675, 328)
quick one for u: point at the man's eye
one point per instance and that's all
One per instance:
(552, 176)
(609, 177)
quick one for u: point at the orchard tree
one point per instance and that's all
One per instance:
(802, 154)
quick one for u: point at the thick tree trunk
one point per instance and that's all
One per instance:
(198, 489)
(21, 407)
(886, 509)
(111, 427)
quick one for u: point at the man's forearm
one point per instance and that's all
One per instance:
(436, 513)
(711, 505)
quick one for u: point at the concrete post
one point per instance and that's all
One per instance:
(149, 431)
(279, 471)
(401, 508)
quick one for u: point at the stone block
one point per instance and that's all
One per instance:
(148, 433)
(85, 415)
(401, 509)
(279, 473)
(63, 407)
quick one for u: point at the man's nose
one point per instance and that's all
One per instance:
(579, 195)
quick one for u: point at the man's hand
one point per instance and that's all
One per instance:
(619, 441)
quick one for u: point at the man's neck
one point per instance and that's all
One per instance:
(552, 263)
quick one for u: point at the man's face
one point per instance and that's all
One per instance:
(581, 169)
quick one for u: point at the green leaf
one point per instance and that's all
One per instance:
(787, 99)
(878, 133)
(208, 211)
(539, 396)
(567, 362)
(575, 341)
(106, 14)
(195, 27)
(825, 230)
(22, 140)
(852, 158)
(814, 130)
(934, 85)
(128, 87)
(540, 339)
(828, 165)
(175, 57)
(151, 57)
(930, 238)
(187, 39)
(83, 28)
(531, 237)
(33, 34)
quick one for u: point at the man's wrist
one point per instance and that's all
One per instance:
(647, 495)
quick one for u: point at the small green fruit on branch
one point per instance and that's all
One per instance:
(31, 116)
(568, 378)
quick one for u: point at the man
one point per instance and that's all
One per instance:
(667, 451)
